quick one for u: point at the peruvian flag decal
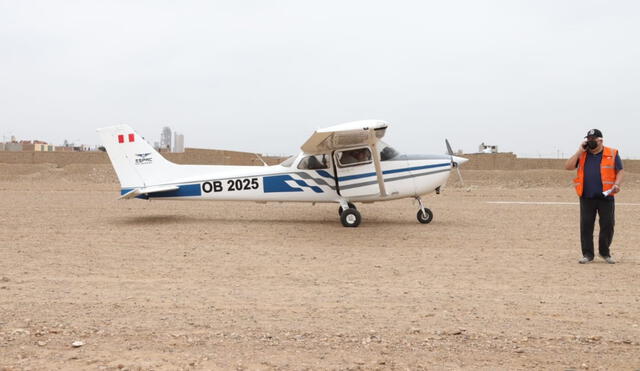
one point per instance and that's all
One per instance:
(132, 138)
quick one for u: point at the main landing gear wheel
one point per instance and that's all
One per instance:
(425, 218)
(351, 206)
(350, 218)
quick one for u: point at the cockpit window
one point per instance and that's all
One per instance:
(314, 162)
(358, 156)
(288, 162)
(387, 152)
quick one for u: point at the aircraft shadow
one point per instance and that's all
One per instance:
(147, 220)
(154, 220)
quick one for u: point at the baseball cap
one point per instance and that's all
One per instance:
(594, 133)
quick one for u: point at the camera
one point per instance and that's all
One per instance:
(590, 144)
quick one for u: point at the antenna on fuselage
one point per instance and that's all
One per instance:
(261, 160)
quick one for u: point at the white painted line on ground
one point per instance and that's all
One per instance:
(531, 203)
(549, 203)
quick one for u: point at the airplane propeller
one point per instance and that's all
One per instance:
(454, 163)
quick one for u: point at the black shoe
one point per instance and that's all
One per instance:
(585, 260)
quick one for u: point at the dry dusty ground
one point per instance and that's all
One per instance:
(197, 285)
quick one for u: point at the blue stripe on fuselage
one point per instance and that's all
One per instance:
(324, 173)
(394, 171)
(278, 183)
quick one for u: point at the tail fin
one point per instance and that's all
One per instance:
(136, 163)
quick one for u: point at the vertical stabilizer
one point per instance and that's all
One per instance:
(135, 161)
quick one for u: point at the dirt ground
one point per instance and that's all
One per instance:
(204, 285)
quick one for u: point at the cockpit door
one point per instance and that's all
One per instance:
(356, 172)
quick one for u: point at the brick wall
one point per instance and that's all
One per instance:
(509, 161)
(190, 156)
(485, 161)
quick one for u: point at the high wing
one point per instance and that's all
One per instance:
(346, 135)
(350, 134)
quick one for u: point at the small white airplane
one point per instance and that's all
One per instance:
(344, 164)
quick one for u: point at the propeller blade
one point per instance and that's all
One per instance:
(449, 150)
(460, 175)
(453, 162)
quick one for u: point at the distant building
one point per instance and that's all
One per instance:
(36, 146)
(44, 147)
(165, 138)
(486, 148)
(178, 144)
(82, 148)
(27, 145)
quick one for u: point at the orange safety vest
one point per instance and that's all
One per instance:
(607, 170)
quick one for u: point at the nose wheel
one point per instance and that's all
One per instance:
(425, 216)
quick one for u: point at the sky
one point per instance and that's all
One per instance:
(529, 76)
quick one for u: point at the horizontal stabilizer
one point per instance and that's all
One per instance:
(148, 190)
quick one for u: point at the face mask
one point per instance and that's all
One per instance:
(592, 144)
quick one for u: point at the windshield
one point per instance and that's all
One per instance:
(289, 161)
(386, 151)
(314, 162)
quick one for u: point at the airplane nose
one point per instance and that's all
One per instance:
(459, 160)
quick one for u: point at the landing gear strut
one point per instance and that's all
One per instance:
(425, 216)
(351, 206)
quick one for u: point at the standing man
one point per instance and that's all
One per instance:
(599, 177)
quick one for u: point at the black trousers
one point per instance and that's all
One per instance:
(605, 209)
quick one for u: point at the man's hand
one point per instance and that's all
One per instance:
(615, 188)
(572, 162)
(583, 146)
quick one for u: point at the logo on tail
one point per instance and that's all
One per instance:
(143, 158)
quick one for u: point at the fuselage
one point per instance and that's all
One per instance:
(329, 177)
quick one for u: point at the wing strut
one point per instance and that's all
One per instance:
(376, 161)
